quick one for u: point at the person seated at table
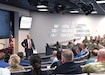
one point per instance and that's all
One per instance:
(84, 49)
(68, 66)
(93, 56)
(77, 51)
(14, 62)
(58, 45)
(85, 41)
(69, 45)
(3, 64)
(23, 62)
(59, 62)
(54, 56)
(96, 67)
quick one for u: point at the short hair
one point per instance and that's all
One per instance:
(94, 52)
(14, 60)
(54, 53)
(68, 55)
(20, 54)
(101, 52)
(2, 55)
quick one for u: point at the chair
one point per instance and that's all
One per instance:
(18, 72)
(81, 62)
(23, 72)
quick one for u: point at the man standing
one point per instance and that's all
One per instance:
(28, 44)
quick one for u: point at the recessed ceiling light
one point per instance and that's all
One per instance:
(42, 9)
(74, 11)
(41, 6)
(99, 2)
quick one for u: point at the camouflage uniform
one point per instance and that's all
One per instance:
(69, 46)
(96, 67)
(86, 42)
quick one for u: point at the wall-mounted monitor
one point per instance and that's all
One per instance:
(6, 23)
(25, 22)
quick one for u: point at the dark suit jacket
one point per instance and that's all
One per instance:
(69, 68)
(25, 44)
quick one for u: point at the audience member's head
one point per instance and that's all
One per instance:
(7, 56)
(93, 53)
(91, 37)
(20, 54)
(14, 60)
(67, 55)
(69, 42)
(86, 37)
(2, 55)
(35, 61)
(101, 55)
(75, 50)
(54, 53)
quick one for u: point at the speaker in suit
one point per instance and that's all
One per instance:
(28, 44)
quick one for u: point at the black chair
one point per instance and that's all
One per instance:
(23, 72)
(18, 72)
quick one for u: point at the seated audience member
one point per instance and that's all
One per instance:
(54, 57)
(74, 41)
(57, 45)
(68, 66)
(14, 62)
(7, 56)
(93, 56)
(96, 67)
(59, 62)
(69, 45)
(78, 51)
(85, 41)
(91, 39)
(4, 71)
(35, 61)
(23, 61)
(3, 64)
(84, 49)
(91, 46)
(74, 48)
(103, 40)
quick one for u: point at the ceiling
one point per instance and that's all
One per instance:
(58, 6)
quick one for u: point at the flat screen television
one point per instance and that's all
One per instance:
(6, 24)
(25, 22)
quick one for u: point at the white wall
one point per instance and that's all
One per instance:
(43, 24)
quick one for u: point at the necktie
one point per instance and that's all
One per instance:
(29, 44)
